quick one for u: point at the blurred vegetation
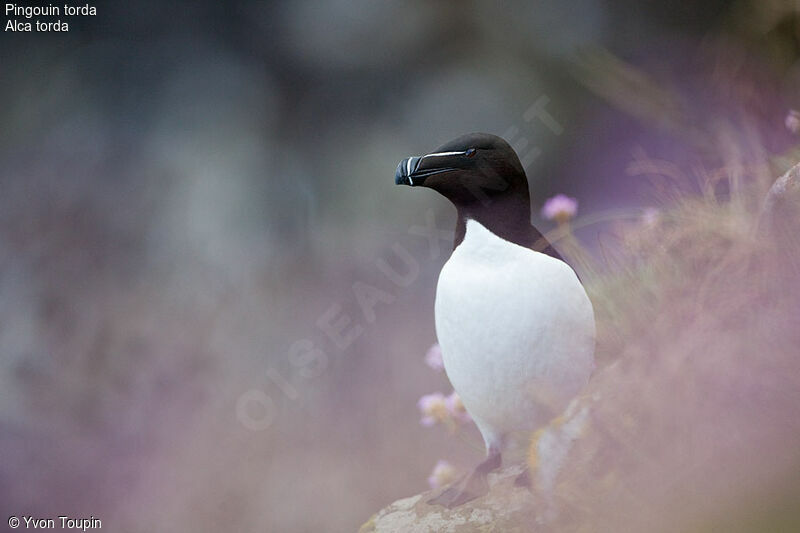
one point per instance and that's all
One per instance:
(694, 414)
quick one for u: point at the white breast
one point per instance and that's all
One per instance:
(516, 330)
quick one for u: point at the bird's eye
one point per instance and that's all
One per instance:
(471, 152)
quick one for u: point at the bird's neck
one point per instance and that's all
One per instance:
(507, 217)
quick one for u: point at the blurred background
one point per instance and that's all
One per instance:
(190, 191)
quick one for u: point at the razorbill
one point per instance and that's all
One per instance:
(514, 322)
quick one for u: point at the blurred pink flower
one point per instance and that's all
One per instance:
(560, 208)
(793, 121)
(433, 408)
(443, 473)
(433, 358)
(650, 216)
(456, 408)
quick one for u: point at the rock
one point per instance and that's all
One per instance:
(505, 508)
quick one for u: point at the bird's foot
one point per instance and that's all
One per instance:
(471, 486)
(524, 479)
(467, 489)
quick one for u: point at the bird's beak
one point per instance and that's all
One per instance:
(404, 175)
(415, 170)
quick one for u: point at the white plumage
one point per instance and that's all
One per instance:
(516, 330)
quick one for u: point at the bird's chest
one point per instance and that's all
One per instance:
(485, 323)
(483, 309)
(515, 327)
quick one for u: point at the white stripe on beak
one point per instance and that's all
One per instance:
(440, 154)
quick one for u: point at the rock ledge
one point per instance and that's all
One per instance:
(502, 509)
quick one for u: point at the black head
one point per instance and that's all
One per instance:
(481, 174)
(472, 170)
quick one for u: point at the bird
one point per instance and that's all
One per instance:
(513, 320)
